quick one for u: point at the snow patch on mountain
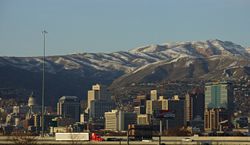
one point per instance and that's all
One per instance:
(132, 60)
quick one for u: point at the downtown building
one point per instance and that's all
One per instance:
(118, 120)
(174, 105)
(69, 107)
(99, 102)
(194, 109)
(218, 105)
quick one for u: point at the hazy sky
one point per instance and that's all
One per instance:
(77, 26)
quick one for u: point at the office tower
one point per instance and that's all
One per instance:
(218, 104)
(111, 120)
(140, 104)
(119, 120)
(177, 106)
(189, 108)
(98, 92)
(156, 105)
(69, 107)
(153, 95)
(153, 106)
(219, 95)
(214, 119)
(163, 102)
(143, 119)
(126, 118)
(99, 107)
(194, 103)
(94, 94)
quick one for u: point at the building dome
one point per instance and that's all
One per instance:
(31, 101)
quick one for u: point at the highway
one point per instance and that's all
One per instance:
(4, 140)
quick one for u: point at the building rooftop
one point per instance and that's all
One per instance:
(63, 98)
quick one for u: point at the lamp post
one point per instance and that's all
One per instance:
(43, 82)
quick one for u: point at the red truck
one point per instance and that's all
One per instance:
(96, 137)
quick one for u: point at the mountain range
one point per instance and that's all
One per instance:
(74, 74)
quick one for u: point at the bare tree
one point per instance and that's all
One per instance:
(19, 138)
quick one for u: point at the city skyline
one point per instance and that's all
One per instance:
(110, 26)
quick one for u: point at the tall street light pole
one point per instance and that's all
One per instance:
(43, 82)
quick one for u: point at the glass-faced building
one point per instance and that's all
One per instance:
(218, 95)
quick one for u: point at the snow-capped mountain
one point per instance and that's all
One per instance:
(128, 61)
(73, 74)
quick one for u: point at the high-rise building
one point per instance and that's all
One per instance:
(126, 118)
(152, 106)
(140, 104)
(111, 120)
(163, 102)
(177, 106)
(118, 120)
(218, 104)
(219, 95)
(98, 92)
(69, 107)
(214, 118)
(194, 103)
(99, 107)
(153, 95)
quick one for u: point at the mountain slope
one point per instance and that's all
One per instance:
(187, 68)
(74, 74)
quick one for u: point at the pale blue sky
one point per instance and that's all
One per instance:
(77, 26)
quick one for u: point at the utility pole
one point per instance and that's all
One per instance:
(43, 82)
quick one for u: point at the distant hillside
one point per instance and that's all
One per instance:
(74, 74)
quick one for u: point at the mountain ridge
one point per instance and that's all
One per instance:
(83, 70)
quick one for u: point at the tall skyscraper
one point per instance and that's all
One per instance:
(99, 107)
(214, 119)
(69, 107)
(98, 92)
(218, 104)
(194, 103)
(152, 106)
(218, 95)
(177, 106)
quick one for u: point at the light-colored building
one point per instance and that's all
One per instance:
(119, 120)
(153, 95)
(84, 118)
(152, 105)
(111, 120)
(163, 102)
(69, 107)
(143, 119)
(98, 92)
(31, 101)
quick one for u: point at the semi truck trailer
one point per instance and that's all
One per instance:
(84, 136)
